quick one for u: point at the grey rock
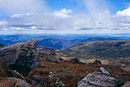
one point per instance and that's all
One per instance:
(48, 55)
(21, 57)
(104, 71)
(97, 62)
(75, 60)
(17, 74)
(127, 84)
(61, 59)
(38, 82)
(100, 78)
(18, 82)
(1, 45)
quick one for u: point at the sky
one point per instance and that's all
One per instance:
(64, 16)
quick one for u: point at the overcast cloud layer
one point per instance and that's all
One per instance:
(35, 17)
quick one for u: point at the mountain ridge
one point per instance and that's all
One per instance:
(102, 49)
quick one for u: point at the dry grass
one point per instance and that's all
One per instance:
(70, 73)
(4, 73)
(5, 83)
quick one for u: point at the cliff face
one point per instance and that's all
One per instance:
(21, 56)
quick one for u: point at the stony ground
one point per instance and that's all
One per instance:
(65, 74)
(61, 74)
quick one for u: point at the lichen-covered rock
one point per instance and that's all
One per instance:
(18, 82)
(21, 57)
(127, 84)
(100, 78)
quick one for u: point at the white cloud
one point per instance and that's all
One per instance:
(63, 12)
(22, 6)
(21, 15)
(95, 6)
(125, 12)
(97, 19)
(98, 15)
(3, 23)
(121, 20)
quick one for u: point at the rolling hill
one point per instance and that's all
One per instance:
(102, 49)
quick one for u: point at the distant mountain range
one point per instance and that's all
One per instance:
(57, 41)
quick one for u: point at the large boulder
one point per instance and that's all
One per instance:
(100, 78)
(21, 57)
(1, 45)
(127, 84)
(97, 62)
(48, 55)
(18, 82)
(75, 60)
(38, 82)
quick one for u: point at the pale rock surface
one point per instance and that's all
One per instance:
(18, 82)
(100, 78)
(127, 84)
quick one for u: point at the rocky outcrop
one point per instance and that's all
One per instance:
(100, 78)
(38, 82)
(49, 55)
(21, 57)
(18, 82)
(127, 84)
(1, 45)
(17, 74)
(75, 60)
(97, 62)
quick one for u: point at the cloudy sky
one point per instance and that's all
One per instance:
(64, 16)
